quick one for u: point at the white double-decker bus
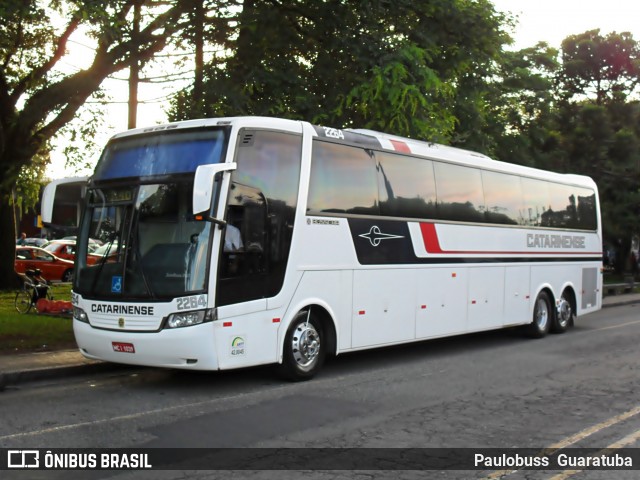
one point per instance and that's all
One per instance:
(235, 242)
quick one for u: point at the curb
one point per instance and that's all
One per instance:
(621, 303)
(30, 375)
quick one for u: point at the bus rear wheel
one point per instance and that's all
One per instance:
(304, 349)
(542, 317)
(564, 316)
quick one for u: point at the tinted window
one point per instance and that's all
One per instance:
(260, 214)
(562, 211)
(536, 201)
(555, 205)
(343, 180)
(503, 197)
(459, 193)
(586, 209)
(407, 186)
(347, 179)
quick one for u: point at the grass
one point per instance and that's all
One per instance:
(31, 332)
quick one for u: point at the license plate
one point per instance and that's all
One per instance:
(123, 347)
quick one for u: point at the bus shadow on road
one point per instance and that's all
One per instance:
(348, 363)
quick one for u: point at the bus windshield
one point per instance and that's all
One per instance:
(153, 247)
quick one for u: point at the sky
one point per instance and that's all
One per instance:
(553, 20)
(538, 20)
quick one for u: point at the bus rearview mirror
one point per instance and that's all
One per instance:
(204, 187)
(62, 192)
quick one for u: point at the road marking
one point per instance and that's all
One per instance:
(71, 426)
(216, 400)
(581, 435)
(616, 326)
(594, 429)
(623, 442)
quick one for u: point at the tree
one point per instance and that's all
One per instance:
(500, 111)
(392, 66)
(600, 66)
(37, 98)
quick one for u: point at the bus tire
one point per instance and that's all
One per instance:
(564, 316)
(304, 348)
(542, 317)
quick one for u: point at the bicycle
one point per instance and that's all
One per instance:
(34, 287)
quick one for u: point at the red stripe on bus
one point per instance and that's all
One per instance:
(400, 146)
(430, 238)
(432, 245)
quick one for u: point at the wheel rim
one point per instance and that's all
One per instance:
(68, 275)
(564, 312)
(23, 302)
(305, 345)
(542, 314)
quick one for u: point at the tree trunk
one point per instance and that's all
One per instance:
(198, 81)
(134, 72)
(8, 277)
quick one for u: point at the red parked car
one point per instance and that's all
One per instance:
(52, 267)
(62, 249)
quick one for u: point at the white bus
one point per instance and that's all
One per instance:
(244, 241)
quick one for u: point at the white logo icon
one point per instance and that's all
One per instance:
(375, 236)
(23, 459)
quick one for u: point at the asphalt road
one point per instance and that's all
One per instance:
(491, 390)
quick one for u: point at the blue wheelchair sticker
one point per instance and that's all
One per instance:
(116, 284)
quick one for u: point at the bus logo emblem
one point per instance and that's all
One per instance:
(375, 236)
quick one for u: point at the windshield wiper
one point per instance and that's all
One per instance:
(103, 260)
(135, 240)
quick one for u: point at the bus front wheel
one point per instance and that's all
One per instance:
(542, 317)
(304, 348)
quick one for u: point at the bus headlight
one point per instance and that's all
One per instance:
(187, 319)
(80, 315)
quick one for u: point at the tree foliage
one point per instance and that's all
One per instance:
(391, 66)
(600, 67)
(38, 97)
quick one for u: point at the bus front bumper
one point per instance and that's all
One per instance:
(190, 348)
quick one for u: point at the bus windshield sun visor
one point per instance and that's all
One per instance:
(152, 155)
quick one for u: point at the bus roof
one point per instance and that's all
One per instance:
(370, 138)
